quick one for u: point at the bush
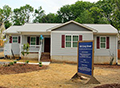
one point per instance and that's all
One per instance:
(11, 63)
(14, 62)
(27, 62)
(40, 65)
(40, 62)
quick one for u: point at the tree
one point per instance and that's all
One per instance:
(22, 14)
(85, 17)
(50, 18)
(79, 7)
(5, 16)
(38, 14)
(65, 13)
(96, 14)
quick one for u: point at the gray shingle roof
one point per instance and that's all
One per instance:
(103, 28)
(44, 27)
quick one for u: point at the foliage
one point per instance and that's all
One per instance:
(11, 63)
(25, 49)
(40, 64)
(5, 16)
(38, 14)
(85, 17)
(22, 14)
(27, 61)
(14, 62)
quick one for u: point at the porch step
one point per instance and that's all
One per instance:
(45, 57)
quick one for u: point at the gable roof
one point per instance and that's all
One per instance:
(48, 27)
(58, 26)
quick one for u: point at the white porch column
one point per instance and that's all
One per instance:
(20, 44)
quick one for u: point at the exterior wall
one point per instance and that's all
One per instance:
(101, 56)
(14, 46)
(104, 55)
(59, 53)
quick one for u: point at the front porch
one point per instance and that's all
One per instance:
(38, 48)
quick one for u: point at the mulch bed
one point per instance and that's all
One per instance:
(109, 86)
(20, 68)
(108, 66)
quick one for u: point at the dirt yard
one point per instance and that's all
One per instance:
(58, 75)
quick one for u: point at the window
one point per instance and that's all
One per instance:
(68, 40)
(71, 40)
(75, 40)
(103, 42)
(15, 39)
(32, 40)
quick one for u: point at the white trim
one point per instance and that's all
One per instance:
(17, 39)
(71, 40)
(55, 27)
(100, 42)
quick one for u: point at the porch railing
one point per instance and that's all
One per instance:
(32, 48)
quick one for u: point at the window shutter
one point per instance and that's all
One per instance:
(98, 42)
(80, 37)
(19, 39)
(37, 42)
(10, 39)
(63, 41)
(107, 43)
(28, 40)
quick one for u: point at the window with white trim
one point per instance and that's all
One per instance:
(14, 39)
(68, 40)
(32, 40)
(102, 42)
(75, 40)
(71, 40)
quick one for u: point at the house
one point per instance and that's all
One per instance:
(60, 40)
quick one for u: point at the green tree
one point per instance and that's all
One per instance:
(38, 14)
(5, 16)
(85, 17)
(96, 14)
(79, 7)
(50, 18)
(22, 14)
(65, 13)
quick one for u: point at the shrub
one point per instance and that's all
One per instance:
(27, 62)
(5, 65)
(40, 62)
(40, 65)
(14, 62)
(11, 63)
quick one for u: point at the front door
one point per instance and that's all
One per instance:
(47, 45)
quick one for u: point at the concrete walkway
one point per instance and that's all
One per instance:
(43, 63)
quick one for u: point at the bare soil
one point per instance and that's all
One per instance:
(58, 75)
(19, 68)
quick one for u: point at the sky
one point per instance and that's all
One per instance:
(49, 6)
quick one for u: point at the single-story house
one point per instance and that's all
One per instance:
(60, 40)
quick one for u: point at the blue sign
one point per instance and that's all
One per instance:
(85, 57)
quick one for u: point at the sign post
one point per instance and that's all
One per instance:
(86, 60)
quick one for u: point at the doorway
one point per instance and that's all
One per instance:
(47, 45)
